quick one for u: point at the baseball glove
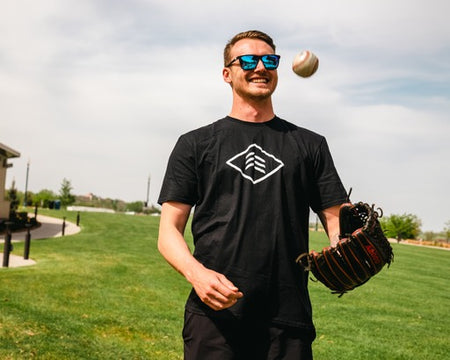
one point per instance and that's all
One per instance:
(361, 252)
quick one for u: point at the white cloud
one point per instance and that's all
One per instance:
(99, 91)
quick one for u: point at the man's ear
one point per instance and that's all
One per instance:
(226, 73)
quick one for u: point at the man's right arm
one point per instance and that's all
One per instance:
(213, 288)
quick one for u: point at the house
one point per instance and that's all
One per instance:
(5, 154)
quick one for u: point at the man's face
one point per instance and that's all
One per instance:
(257, 84)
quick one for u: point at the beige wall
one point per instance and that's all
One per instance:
(4, 205)
(5, 154)
(4, 209)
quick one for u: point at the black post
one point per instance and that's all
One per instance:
(78, 219)
(26, 249)
(35, 211)
(64, 226)
(7, 245)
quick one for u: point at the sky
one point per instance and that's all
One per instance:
(98, 92)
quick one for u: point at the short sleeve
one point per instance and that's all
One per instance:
(328, 188)
(180, 180)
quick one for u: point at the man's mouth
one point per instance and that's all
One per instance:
(259, 80)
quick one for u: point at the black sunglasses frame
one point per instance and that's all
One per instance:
(251, 66)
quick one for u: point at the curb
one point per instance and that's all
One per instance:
(50, 228)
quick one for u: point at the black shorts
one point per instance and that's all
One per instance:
(227, 339)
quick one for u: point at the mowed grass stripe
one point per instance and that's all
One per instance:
(106, 293)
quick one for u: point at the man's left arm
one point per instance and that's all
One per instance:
(330, 220)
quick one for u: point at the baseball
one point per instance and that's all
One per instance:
(305, 64)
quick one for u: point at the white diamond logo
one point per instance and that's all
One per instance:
(255, 164)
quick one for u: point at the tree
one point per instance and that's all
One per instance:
(428, 235)
(13, 198)
(43, 198)
(65, 193)
(28, 200)
(406, 226)
(447, 231)
(136, 206)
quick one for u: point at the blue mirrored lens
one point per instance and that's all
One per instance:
(270, 61)
(249, 62)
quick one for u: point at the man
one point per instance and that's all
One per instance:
(252, 178)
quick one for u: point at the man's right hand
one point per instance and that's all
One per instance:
(213, 288)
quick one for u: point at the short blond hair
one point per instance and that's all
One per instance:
(251, 34)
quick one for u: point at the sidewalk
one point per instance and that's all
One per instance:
(50, 228)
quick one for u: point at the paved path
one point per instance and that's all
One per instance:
(50, 227)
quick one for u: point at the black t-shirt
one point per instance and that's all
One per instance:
(252, 185)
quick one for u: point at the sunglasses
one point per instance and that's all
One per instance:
(249, 62)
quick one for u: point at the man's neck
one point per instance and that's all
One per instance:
(252, 111)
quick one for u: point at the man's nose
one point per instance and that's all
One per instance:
(260, 65)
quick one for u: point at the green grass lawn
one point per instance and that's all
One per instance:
(106, 293)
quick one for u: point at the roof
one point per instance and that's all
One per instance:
(8, 152)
